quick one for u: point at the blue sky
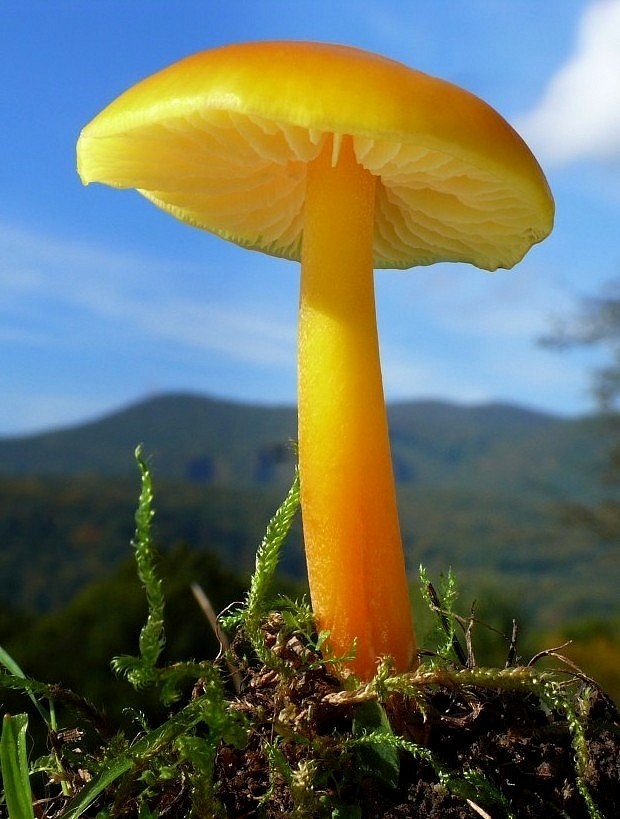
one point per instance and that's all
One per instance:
(105, 300)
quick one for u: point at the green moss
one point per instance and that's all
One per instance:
(267, 730)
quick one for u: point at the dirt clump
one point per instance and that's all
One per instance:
(452, 750)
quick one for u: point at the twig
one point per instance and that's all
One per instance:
(548, 652)
(512, 648)
(209, 612)
(573, 668)
(471, 659)
(478, 810)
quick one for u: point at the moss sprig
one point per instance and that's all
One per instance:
(442, 604)
(141, 670)
(250, 617)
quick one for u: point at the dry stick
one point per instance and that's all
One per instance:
(512, 648)
(574, 668)
(478, 809)
(471, 659)
(548, 652)
(209, 612)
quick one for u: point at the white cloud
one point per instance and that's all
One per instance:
(420, 375)
(234, 333)
(512, 306)
(47, 282)
(578, 115)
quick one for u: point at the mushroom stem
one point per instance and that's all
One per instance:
(352, 537)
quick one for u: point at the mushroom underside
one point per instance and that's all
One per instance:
(243, 177)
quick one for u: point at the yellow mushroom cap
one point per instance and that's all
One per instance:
(222, 139)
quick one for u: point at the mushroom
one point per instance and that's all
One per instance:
(347, 161)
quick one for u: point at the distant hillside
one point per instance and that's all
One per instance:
(189, 438)
(480, 489)
(218, 443)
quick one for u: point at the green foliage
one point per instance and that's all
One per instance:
(321, 769)
(442, 604)
(268, 555)
(450, 666)
(552, 693)
(378, 753)
(172, 750)
(175, 740)
(141, 671)
(480, 488)
(251, 616)
(106, 619)
(75, 531)
(14, 762)
(18, 679)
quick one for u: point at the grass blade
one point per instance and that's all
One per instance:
(148, 746)
(13, 668)
(14, 763)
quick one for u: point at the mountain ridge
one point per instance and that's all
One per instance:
(445, 405)
(212, 441)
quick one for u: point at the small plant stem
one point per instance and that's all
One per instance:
(352, 538)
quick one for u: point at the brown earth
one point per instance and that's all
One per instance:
(509, 738)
